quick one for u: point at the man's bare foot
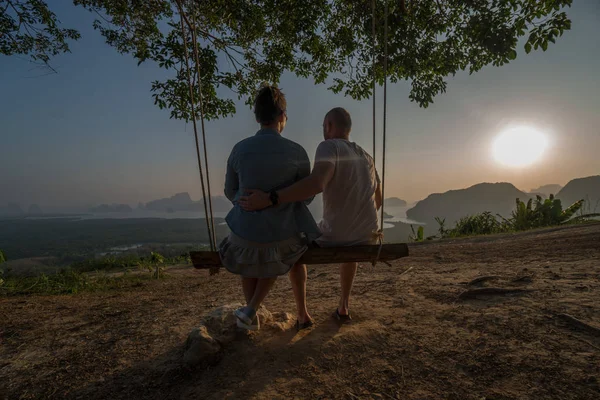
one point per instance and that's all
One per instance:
(339, 316)
(343, 311)
(306, 325)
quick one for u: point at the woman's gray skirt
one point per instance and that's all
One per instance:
(260, 260)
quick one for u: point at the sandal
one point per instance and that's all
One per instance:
(241, 316)
(340, 317)
(252, 327)
(305, 325)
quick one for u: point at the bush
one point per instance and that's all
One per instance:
(107, 263)
(478, 224)
(67, 282)
(128, 262)
(530, 215)
(77, 277)
(418, 235)
(546, 213)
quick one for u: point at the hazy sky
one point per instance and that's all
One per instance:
(90, 134)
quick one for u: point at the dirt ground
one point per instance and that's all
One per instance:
(412, 336)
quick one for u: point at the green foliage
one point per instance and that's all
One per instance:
(533, 214)
(523, 215)
(242, 43)
(432, 39)
(91, 275)
(155, 265)
(478, 224)
(548, 212)
(156, 258)
(28, 27)
(67, 281)
(2, 257)
(417, 236)
(442, 226)
(107, 263)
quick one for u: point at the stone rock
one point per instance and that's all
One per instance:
(221, 323)
(219, 327)
(201, 348)
(265, 317)
(282, 321)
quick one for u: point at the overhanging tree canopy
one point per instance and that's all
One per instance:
(243, 43)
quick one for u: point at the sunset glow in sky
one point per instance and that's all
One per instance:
(91, 133)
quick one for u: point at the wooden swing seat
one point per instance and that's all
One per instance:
(320, 255)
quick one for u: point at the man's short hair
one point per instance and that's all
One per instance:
(341, 119)
(269, 104)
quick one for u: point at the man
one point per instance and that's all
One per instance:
(346, 175)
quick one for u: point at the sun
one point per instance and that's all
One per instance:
(519, 146)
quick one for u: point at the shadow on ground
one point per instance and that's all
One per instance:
(242, 361)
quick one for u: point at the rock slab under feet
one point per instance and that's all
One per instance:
(219, 327)
(201, 348)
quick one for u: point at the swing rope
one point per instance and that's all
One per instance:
(201, 104)
(374, 33)
(385, 72)
(209, 219)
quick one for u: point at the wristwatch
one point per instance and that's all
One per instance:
(274, 197)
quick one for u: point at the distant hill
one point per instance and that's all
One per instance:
(582, 188)
(34, 209)
(11, 210)
(395, 202)
(546, 190)
(498, 198)
(183, 202)
(111, 208)
(176, 203)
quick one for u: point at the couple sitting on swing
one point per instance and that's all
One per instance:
(270, 183)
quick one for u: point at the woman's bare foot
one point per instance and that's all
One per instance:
(304, 317)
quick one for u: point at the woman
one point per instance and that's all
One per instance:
(265, 244)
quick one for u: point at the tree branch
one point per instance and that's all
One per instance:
(103, 17)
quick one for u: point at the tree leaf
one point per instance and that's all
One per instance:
(241, 43)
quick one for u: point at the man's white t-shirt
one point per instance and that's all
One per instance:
(349, 211)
